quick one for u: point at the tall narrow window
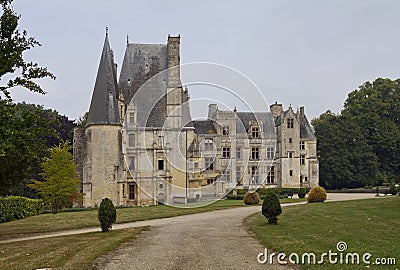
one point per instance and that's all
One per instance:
(225, 130)
(291, 173)
(271, 175)
(227, 175)
(290, 154)
(131, 118)
(254, 174)
(270, 153)
(226, 152)
(290, 140)
(131, 140)
(302, 145)
(161, 141)
(238, 174)
(238, 153)
(131, 191)
(131, 163)
(255, 132)
(303, 159)
(290, 123)
(255, 153)
(161, 164)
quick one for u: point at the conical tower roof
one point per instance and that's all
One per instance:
(104, 105)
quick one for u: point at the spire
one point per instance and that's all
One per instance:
(104, 105)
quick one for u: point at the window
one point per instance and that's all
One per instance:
(302, 159)
(209, 163)
(225, 130)
(305, 179)
(210, 181)
(161, 164)
(131, 138)
(290, 123)
(131, 118)
(255, 132)
(302, 145)
(255, 153)
(290, 140)
(131, 191)
(227, 175)
(123, 190)
(271, 175)
(290, 154)
(196, 164)
(291, 173)
(254, 174)
(226, 152)
(238, 153)
(208, 145)
(270, 153)
(131, 163)
(238, 174)
(161, 141)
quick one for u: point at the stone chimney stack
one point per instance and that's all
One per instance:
(276, 109)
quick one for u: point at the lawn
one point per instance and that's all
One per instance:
(83, 219)
(64, 252)
(371, 226)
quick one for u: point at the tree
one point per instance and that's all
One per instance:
(21, 145)
(107, 214)
(13, 44)
(271, 208)
(61, 184)
(375, 106)
(346, 159)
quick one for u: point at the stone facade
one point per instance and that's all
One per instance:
(140, 146)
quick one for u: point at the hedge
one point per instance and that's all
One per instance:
(16, 207)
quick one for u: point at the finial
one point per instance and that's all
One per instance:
(235, 110)
(107, 30)
(127, 39)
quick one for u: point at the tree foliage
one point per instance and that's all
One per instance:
(60, 185)
(21, 145)
(361, 146)
(13, 44)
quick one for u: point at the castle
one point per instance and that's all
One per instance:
(140, 145)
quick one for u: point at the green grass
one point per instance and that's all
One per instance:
(83, 219)
(64, 252)
(371, 225)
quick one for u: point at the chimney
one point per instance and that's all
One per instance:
(301, 110)
(276, 109)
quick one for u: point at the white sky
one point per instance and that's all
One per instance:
(304, 53)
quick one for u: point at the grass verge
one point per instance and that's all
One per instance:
(84, 219)
(371, 225)
(64, 252)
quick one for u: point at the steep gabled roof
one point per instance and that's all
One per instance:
(264, 119)
(306, 131)
(104, 104)
(204, 127)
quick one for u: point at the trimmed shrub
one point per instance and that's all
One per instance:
(235, 197)
(242, 191)
(271, 208)
(16, 207)
(107, 214)
(393, 189)
(251, 198)
(316, 194)
(302, 193)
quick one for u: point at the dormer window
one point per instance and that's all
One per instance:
(225, 130)
(255, 132)
(290, 123)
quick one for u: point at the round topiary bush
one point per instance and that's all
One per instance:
(302, 193)
(107, 214)
(251, 198)
(316, 194)
(271, 208)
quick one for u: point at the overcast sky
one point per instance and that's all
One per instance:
(304, 53)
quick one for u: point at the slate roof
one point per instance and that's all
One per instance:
(142, 62)
(104, 104)
(204, 127)
(306, 131)
(265, 119)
